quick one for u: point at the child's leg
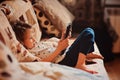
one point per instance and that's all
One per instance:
(83, 44)
(76, 55)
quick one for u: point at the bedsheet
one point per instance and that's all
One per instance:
(57, 72)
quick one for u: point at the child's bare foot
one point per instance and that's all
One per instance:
(83, 67)
(81, 64)
(94, 56)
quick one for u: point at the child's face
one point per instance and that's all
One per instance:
(29, 41)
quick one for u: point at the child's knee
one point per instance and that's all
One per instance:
(88, 33)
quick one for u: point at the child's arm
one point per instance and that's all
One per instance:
(63, 44)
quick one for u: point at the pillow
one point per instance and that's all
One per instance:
(46, 25)
(59, 16)
(10, 68)
(22, 10)
(8, 37)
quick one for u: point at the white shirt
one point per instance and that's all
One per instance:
(46, 47)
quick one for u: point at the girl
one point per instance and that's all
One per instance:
(75, 54)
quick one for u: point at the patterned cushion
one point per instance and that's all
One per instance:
(59, 16)
(8, 37)
(45, 24)
(22, 10)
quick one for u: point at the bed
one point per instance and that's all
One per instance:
(17, 63)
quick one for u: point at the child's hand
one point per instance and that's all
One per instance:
(63, 35)
(63, 44)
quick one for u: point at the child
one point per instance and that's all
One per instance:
(75, 55)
